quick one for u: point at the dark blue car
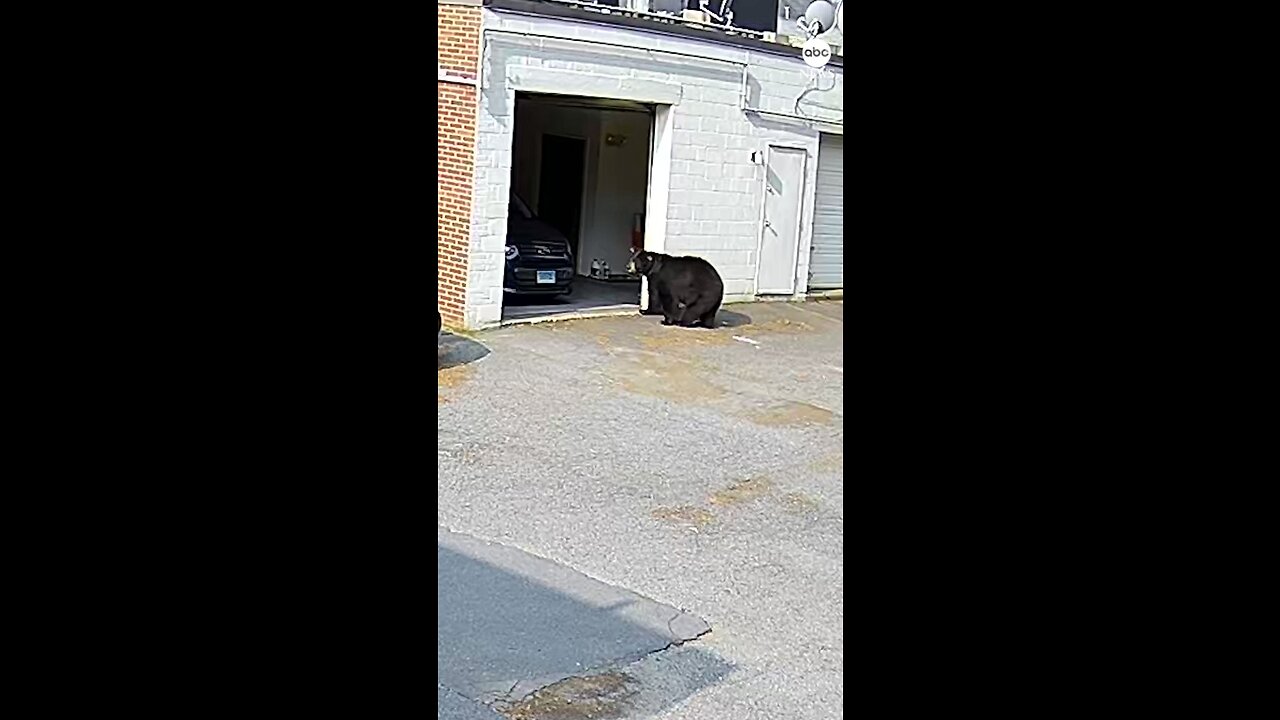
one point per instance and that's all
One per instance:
(539, 259)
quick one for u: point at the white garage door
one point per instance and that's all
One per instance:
(826, 263)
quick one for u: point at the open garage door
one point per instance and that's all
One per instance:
(579, 188)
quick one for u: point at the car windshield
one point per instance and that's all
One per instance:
(517, 208)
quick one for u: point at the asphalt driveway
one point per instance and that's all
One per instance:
(612, 473)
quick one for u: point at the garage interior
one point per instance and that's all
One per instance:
(582, 166)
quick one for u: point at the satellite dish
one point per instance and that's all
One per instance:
(820, 14)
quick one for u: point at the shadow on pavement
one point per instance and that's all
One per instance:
(533, 638)
(454, 350)
(731, 319)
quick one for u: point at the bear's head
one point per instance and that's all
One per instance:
(642, 263)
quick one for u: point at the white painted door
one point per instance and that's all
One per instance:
(826, 259)
(780, 231)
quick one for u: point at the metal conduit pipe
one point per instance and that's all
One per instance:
(806, 119)
(794, 116)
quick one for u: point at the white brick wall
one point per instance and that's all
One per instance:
(714, 206)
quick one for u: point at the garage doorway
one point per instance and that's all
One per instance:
(560, 185)
(580, 177)
(826, 260)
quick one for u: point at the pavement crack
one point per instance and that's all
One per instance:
(676, 640)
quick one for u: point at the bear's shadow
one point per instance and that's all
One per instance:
(454, 350)
(731, 319)
(725, 319)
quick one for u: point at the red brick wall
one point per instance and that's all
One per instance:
(458, 28)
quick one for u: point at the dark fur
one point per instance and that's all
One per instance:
(686, 291)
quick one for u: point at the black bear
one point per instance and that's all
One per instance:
(686, 291)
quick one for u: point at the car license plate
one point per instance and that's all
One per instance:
(546, 276)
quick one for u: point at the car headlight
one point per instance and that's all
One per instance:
(512, 252)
